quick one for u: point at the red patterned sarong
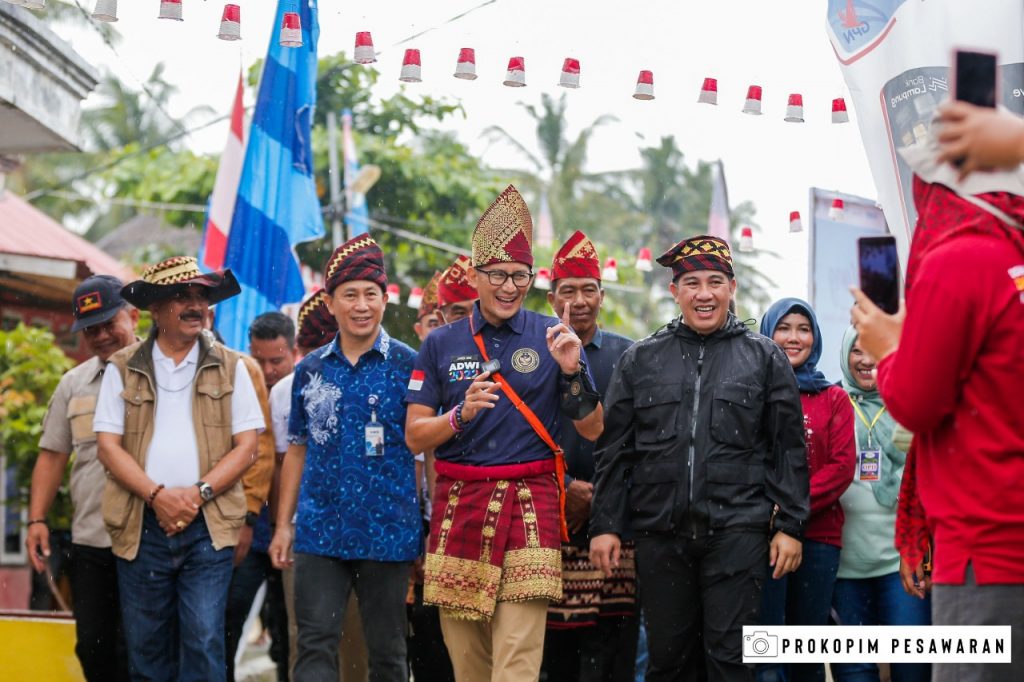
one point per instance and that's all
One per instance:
(494, 536)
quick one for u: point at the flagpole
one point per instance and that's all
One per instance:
(335, 179)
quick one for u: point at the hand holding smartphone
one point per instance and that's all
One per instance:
(879, 266)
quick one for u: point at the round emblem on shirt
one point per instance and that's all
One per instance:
(525, 360)
(576, 388)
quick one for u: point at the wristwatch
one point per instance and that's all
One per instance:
(205, 490)
(251, 518)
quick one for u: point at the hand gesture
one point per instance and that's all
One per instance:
(176, 508)
(877, 332)
(564, 345)
(280, 549)
(980, 138)
(38, 545)
(481, 395)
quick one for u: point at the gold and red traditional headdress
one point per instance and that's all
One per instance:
(505, 232)
(576, 258)
(316, 324)
(702, 252)
(360, 258)
(429, 302)
(454, 286)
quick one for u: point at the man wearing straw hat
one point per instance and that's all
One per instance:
(177, 422)
(493, 559)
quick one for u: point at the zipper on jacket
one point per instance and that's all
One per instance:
(693, 435)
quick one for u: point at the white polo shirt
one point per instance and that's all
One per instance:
(281, 410)
(173, 454)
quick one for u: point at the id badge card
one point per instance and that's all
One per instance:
(374, 439)
(374, 431)
(869, 465)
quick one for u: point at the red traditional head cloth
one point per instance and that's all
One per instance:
(316, 324)
(454, 286)
(576, 258)
(357, 259)
(429, 303)
(702, 252)
(505, 232)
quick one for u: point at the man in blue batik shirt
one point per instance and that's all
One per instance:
(357, 524)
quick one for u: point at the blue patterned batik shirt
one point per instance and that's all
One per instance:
(353, 506)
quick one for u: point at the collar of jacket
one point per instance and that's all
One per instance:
(142, 359)
(733, 327)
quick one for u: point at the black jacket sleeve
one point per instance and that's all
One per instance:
(613, 454)
(786, 479)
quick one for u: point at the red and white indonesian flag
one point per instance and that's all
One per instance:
(416, 380)
(225, 188)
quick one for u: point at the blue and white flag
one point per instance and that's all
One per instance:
(357, 217)
(277, 204)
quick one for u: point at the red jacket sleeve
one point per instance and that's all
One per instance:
(831, 480)
(942, 333)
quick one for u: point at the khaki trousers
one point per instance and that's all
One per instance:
(352, 656)
(509, 648)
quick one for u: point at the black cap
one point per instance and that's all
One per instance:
(96, 300)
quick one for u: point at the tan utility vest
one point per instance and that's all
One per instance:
(211, 418)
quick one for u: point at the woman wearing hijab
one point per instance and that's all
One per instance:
(869, 590)
(805, 596)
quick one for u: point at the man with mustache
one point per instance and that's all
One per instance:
(177, 422)
(107, 324)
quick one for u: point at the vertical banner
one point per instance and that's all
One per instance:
(896, 57)
(833, 265)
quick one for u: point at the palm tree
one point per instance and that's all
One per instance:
(557, 171)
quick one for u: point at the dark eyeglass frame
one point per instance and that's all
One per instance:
(497, 278)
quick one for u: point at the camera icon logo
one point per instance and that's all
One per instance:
(760, 644)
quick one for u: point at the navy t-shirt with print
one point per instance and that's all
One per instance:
(354, 506)
(446, 365)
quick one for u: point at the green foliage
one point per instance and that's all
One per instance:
(31, 366)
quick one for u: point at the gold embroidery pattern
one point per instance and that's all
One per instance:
(465, 588)
(449, 515)
(532, 573)
(582, 249)
(172, 271)
(491, 521)
(703, 247)
(341, 255)
(311, 303)
(500, 223)
(529, 518)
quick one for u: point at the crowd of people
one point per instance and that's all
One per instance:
(534, 497)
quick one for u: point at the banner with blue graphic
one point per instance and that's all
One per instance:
(277, 204)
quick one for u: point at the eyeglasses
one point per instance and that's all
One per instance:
(93, 331)
(187, 295)
(498, 278)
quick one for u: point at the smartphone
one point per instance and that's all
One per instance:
(975, 77)
(880, 271)
(491, 366)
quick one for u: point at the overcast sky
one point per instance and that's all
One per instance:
(781, 46)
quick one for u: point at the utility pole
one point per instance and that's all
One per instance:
(337, 203)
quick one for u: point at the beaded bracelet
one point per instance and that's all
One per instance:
(452, 420)
(458, 415)
(153, 494)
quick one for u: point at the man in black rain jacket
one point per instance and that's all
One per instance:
(703, 458)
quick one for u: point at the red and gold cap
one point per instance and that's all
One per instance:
(357, 259)
(505, 232)
(454, 286)
(429, 303)
(702, 252)
(576, 258)
(316, 324)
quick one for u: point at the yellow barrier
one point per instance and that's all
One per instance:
(38, 648)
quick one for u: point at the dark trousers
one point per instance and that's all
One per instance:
(40, 598)
(428, 655)
(100, 639)
(709, 585)
(322, 587)
(804, 597)
(605, 652)
(245, 583)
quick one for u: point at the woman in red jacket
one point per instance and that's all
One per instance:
(805, 596)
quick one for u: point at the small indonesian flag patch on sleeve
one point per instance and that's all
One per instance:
(416, 380)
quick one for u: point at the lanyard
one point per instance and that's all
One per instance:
(864, 419)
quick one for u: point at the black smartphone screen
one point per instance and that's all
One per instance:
(880, 271)
(976, 78)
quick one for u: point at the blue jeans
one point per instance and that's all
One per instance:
(803, 597)
(173, 597)
(879, 601)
